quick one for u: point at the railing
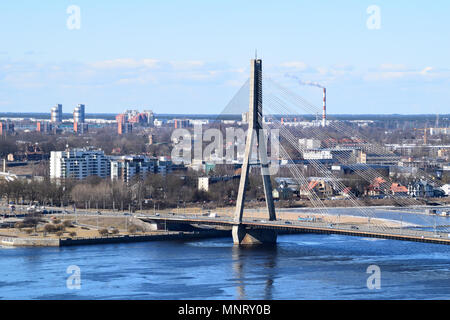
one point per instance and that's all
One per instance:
(352, 229)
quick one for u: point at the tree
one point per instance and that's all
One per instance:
(133, 229)
(49, 228)
(67, 224)
(103, 232)
(32, 221)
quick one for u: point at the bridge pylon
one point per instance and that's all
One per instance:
(241, 234)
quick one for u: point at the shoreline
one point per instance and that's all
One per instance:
(6, 241)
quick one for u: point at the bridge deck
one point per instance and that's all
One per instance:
(313, 227)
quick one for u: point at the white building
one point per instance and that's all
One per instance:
(309, 143)
(128, 167)
(150, 117)
(446, 189)
(328, 154)
(56, 114)
(78, 164)
(437, 131)
(79, 114)
(203, 184)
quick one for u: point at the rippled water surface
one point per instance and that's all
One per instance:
(299, 267)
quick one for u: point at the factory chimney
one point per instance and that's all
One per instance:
(324, 116)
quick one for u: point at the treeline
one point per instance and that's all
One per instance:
(103, 138)
(155, 191)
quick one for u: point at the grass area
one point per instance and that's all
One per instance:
(85, 227)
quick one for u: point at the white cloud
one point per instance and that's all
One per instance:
(187, 64)
(298, 65)
(390, 66)
(122, 71)
(125, 63)
(396, 72)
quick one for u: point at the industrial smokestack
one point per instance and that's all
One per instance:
(324, 116)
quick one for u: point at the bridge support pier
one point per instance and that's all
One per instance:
(245, 236)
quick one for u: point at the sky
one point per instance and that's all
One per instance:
(192, 56)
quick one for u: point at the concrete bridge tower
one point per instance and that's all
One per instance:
(241, 234)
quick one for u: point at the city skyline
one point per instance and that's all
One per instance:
(139, 55)
(224, 151)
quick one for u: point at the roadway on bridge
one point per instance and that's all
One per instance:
(361, 230)
(371, 231)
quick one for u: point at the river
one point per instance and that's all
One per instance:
(302, 266)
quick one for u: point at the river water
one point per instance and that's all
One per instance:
(302, 266)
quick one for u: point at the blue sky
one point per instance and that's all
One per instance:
(192, 56)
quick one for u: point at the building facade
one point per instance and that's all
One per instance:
(78, 164)
(79, 114)
(6, 128)
(44, 126)
(127, 168)
(56, 114)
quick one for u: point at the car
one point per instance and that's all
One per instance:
(288, 222)
(354, 228)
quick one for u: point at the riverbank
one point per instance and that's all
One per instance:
(156, 236)
(310, 214)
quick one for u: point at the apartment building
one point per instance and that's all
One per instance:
(78, 164)
(128, 167)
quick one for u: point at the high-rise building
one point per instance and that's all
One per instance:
(44, 126)
(151, 139)
(78, 164)
(78, 114)
(56, 114)
(80, 127)
(122, 118)
(6, 128)
(181, 123)
(145, 118)
(150, 117)
(245, 117)
(124, 128)
(128, 167)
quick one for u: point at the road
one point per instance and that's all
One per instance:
(310, 227)
(411, 234)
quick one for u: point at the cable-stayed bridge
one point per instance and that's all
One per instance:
(267, 101)
(259, 226)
